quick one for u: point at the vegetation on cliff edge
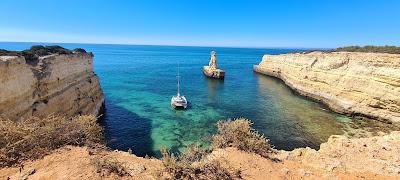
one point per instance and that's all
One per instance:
(37, 51)
(33, 138)
(368, 49)
(239, 134)
(196, 163)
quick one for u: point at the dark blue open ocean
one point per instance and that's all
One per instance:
(138, 82)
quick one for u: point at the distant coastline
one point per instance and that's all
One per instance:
(200, 46)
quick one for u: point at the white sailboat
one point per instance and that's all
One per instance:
(179, 101)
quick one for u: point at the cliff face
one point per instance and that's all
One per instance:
(62, 84)
(358, 84)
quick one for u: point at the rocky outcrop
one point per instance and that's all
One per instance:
(58, 83)
(377, 155)
(339, 158)
(353, 83)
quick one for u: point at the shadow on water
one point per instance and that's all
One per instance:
(294, 120)
(213, 87)
(279, 82)
(127, 130)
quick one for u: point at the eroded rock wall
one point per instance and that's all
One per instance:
(54, 84)
(358, 84)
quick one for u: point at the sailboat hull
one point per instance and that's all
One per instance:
(179, 102)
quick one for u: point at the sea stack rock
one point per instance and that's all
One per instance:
(212, 70)
(213, 64)
(48, 80)
(354, 83)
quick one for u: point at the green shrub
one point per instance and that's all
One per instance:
(372, 49)
(79, 50)
(31, 55)
(33, 138)
(47, 50)
(368, 49)
(239, 134)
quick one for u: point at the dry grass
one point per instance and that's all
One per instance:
(109, 165)
(193, 164)
(239, 134)
(34, 138)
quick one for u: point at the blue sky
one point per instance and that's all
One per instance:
(239, 23)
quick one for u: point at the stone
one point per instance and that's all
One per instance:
(285, 171)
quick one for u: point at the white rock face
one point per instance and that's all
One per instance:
(56, 84)
(359, 84)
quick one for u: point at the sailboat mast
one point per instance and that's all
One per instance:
(178, 81)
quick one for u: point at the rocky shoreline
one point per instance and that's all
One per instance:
(48, 80)
(353, 83)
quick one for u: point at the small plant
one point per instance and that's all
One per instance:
(33, 138)
(193, 164)
(238, 134)
(109, 165)
(79, 50)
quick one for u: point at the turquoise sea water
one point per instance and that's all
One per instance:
(138, 82)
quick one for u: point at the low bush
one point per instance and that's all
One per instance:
(33, 138)
(31, 55)
(372, 49)
(239, 134)
(109, 165)
(79, 50)
(367, 49)
(47, 50)
(193, 164)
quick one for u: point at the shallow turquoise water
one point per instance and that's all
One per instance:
(138, 82)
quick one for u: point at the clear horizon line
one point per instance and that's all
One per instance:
(176, 45)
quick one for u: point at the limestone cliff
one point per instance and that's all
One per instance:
(357, 84)
(57, 83)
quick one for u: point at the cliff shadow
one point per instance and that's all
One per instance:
(296, 122)
(279, 82)
(124, 130)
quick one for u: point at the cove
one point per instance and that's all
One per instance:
(138, 82)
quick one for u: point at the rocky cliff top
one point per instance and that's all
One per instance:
(35, 52)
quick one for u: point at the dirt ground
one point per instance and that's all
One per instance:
(339, 158)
